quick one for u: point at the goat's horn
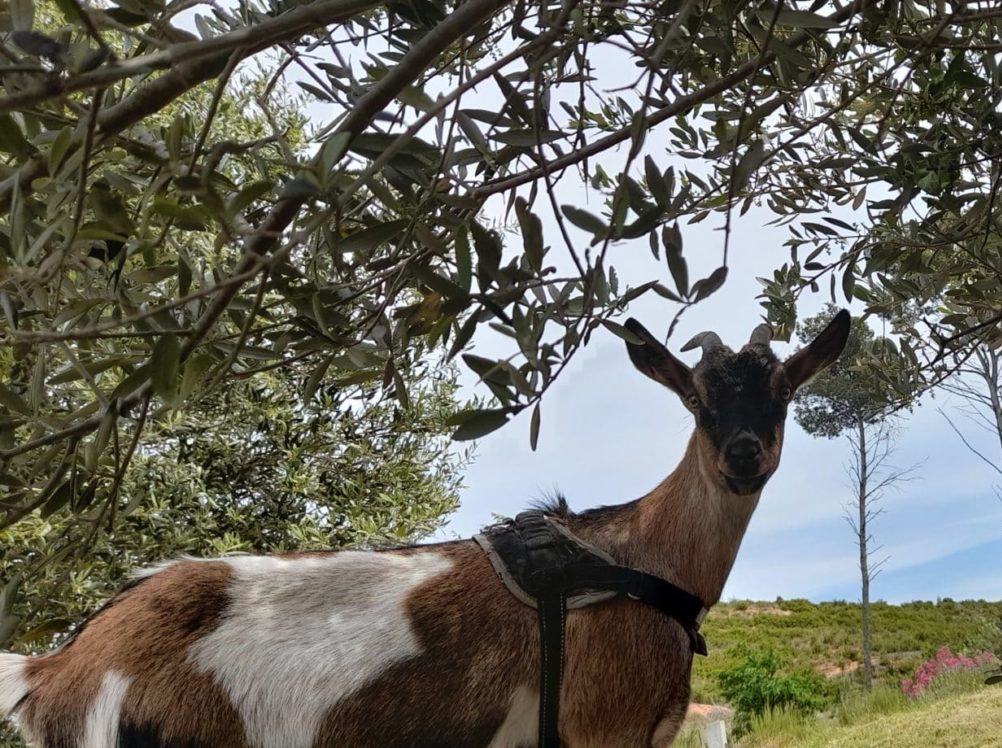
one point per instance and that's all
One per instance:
(706, 340)
(761, 335)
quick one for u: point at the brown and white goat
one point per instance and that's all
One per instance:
(424, 646)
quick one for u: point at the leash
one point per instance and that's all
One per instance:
(546, 567)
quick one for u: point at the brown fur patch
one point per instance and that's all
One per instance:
(143, 635)
(627, 670)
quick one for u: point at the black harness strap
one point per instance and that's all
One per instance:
(548, 568)
(552, 608)
(673, 601)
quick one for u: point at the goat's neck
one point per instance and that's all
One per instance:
(687, 530)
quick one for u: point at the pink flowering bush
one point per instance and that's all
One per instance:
(944, 663)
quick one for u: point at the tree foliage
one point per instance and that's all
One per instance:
(236, 448)
(850, 391)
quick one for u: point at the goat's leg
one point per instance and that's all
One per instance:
(667, 730)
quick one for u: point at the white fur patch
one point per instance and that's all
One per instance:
(520, 728)
(105, 713)
(301, 634)
(13, 685)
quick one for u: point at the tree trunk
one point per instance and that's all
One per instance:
(992, 379)
(864, 569)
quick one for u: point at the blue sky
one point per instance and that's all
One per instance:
(609, 435)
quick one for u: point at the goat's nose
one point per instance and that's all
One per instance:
(744, 449)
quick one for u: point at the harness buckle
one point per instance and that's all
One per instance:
(635, 589)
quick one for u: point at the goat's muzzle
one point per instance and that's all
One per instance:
(744, 464)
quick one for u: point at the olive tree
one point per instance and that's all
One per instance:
(274, 455)
(256, 467)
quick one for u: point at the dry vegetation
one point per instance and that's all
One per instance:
(972, 720)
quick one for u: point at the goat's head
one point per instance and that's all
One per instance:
(739, 398)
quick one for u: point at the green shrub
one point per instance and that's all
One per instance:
(798, 633)
(987, 638)
(757, 686)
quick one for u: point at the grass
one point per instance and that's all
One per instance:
(855, 706)
(969, 720)
(688, 738)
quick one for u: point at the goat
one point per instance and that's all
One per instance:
(424, 646)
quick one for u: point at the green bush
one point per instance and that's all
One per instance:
(987, 638)
(757, 686)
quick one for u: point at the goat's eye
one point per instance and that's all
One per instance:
(786, 392)
(692, 401)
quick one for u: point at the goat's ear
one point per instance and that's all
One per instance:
(654, 360)
(822, 352)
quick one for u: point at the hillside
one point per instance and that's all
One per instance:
(825, 636)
